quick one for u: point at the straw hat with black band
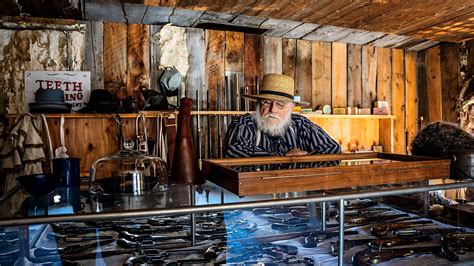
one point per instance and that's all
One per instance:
(277, 87)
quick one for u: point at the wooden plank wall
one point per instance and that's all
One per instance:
(325, 73)
(124, 58)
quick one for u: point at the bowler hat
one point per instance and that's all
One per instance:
(49, 101)
(101, 101)
(277, 87)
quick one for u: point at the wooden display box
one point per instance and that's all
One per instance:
(266, 175)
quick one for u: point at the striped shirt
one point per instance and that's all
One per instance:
(241, 139)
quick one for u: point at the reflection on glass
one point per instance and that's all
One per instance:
(283, 166)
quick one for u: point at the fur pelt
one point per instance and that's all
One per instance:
(440, 139)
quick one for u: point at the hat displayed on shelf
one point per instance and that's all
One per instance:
(170, 81)
(277, 87)
(49, 101)
(101, 101)
(154, 100)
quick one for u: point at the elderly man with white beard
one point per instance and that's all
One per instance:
(274, 129)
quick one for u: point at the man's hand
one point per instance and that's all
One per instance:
(296, 152)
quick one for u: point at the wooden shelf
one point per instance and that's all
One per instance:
(153, 114)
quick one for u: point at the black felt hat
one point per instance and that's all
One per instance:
(101, 101)
(49, 101)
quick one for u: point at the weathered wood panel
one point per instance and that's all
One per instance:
(412, 122)
(280, 29)
(14, 60)
(301, 30)
(234, 69)
(195, 87)
(248, 21)
(451, 88)
(398, 101)
(339, 75)
(94, 51)
(115, 58)
(155, 54)
(433, 84)
(422, 90)
(215, 51)
(272, 55)
(369, 76)
(354, 75)
(384, 72)
(157, 15)
(138, 58)
(234, 51)
(184, 17)
(289, 57)
(75, 50)
(321, 73)
(303, 71)
(134, 13)
(328, 34)
(253, 69)
(194, 80)
(48, 50)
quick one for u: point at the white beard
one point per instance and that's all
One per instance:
(277, 130)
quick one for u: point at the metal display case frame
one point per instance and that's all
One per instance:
(191, 209)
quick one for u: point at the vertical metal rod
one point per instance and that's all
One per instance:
(323, 215)
(219, 147)
(341, 233)
(246, 100)
(237, 91)
(198, 138)
(193, 215)
(225, 104)
(209, 140)
(228, 88)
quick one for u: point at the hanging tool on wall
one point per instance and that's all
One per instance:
(142, 138)
(61, 151)
(160, 145)
(119, 131)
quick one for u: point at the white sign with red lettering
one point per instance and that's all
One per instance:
(75, 84)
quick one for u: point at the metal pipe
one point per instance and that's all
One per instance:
(340, 255)
(219, 147)
(323, 215)
(237, 91)
(192, 195)
(228, 207)
(198, 134)
(209, 140)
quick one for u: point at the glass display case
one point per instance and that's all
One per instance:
(208, 224)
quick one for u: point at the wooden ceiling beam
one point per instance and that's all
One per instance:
(345, 20)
